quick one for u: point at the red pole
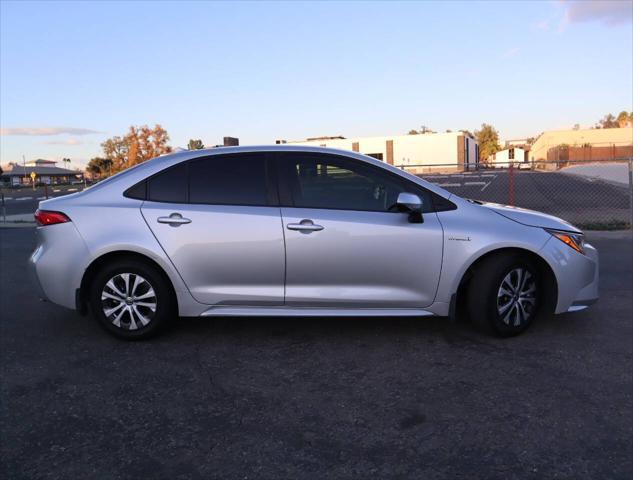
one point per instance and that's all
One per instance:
(511, 185)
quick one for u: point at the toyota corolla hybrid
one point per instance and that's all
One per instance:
(300, 231)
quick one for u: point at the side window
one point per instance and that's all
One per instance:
(328, 181)
(169, 186)
(228, 180)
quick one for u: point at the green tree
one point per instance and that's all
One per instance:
(488, 139)
(99, 166)
(195, 144)
(66, 161)
(137, 146)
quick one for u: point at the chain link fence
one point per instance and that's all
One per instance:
(592, 194)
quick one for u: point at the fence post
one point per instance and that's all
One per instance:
(511, 184)
(631, 193)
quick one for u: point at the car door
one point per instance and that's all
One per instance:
(219, 223)
(345, 246)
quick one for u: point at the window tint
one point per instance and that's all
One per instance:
(233, 180)
(169, 186)
(138, 191)
(328, 181)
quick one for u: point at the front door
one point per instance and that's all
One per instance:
(215, 220)
(345, 244)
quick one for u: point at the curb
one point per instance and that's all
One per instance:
(17, 224)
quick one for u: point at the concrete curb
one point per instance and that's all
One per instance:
(17, 224)
(17, 221)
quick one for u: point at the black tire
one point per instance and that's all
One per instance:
(165, 303)
(485, 300)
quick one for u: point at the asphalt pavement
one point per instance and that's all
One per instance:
(587, 202)
(316, 398)
(25, 200)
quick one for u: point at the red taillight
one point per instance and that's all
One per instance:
(44, 217)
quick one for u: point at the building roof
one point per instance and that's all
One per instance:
(41, 161)
(19, 170)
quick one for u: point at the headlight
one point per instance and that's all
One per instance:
(574, 240)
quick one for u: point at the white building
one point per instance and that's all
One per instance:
(514, 155)
(418, 153)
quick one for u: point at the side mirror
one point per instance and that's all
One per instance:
(412, 204)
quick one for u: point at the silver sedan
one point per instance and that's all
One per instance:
(300, 231)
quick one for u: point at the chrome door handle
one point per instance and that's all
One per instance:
(304, 226)
(175, 220)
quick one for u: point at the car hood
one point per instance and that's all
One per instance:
(531, 218)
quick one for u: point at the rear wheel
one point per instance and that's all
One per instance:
(504, 296)
(131, 299)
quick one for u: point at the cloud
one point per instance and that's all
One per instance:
(70, 141)
(543, 25)
(510, 53)
(609, 12)
(42, 131)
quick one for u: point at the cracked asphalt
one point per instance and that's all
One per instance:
(316, 398)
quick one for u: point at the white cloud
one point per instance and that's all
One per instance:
(42, 131)
(70, 141)
(510, 53)
(609, 12)
(543, 25)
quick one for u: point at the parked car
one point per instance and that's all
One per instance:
(300, 231)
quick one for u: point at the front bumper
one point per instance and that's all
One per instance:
(577, 275)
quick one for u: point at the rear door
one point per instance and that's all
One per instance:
(217, 220)
(345, 244)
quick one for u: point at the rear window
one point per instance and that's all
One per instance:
(169, 186)
(228, 180)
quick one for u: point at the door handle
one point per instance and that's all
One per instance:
(175, 220)
(305, 226)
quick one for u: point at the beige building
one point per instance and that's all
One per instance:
(420, 153)
(591, 144)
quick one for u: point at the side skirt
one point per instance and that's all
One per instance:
(228, 311)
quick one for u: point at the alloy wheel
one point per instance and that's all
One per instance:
(516, 298)
(128, 301)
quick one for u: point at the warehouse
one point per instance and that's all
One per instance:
(419, 153)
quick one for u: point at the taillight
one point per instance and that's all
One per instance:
(45, 217)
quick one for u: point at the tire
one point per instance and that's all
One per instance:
(505, 295)
(137, 311)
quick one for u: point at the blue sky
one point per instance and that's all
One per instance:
(267, 70)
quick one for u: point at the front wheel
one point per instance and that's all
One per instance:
(131, 299)
(504, 295)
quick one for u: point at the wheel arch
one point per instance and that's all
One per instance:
(544, 268)
(116, 255)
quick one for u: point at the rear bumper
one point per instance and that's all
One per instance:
(56, 264)
(32, 273)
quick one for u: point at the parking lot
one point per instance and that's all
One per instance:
(590, 203)
(316, 398)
